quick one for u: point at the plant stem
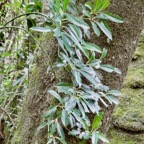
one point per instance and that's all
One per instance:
(41, 14)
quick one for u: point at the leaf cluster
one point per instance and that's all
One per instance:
(71, 24)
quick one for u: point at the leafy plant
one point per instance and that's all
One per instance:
(16, 59)
(72, 29)
(71, 24)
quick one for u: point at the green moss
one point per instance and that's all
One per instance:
(135, 78)
(140, 49)
(139, 52)
(129, 114)
(119, 137)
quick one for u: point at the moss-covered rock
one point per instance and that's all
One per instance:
(117, 136)
(140, 49)
(135, 78)
(129, 114)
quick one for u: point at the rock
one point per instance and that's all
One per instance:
(139, 53)
(135, 78)
(129, 115)
(117, 136)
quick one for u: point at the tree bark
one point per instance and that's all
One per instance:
(122, 48)
(120, 51)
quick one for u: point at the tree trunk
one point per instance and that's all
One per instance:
(120, 51)
(122, 48)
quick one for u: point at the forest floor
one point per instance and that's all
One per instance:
(128, 118)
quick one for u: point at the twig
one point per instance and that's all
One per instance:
(26, 14)
(10, 118)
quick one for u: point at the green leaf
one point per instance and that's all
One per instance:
(72, 121)
(92, 47)
(105, 4)
(86, 135)
(65, 4)
(85, 107)
(74, 132)
(68, 60)
(85, 12)
(53, 128)
(95, 62)
(65, 88)
(70, 104)
(60, 131)
(64, 117)
(88, 77)
(64, 84)
(77, 43)
(56, 8)
(20, 80)
(89, 5)
(79, 55)
(41, 29)
(94, 138)
(109, 68)
(111, 17)
(97, 121)
(95, 29)
(77, 21)
(97, 5)
(104, 53)
(81, 108)
(101, 137)
(105, 30)
(91, 106)
(112, 99)
(42, 125)
(77, 77)
(58, 5)
(57, 32)
(5, 54)
(50, 112)
(56, 95)
(114, 92)
(66, 43)
(77, 31)
(76, 114)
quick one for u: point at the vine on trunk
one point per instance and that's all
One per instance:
(72, 24)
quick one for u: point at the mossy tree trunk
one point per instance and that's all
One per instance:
(120, 51)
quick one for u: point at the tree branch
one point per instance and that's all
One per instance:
(7, 114)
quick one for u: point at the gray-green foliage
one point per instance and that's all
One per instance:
(71, 24)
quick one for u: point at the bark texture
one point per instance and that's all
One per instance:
(121, 49)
